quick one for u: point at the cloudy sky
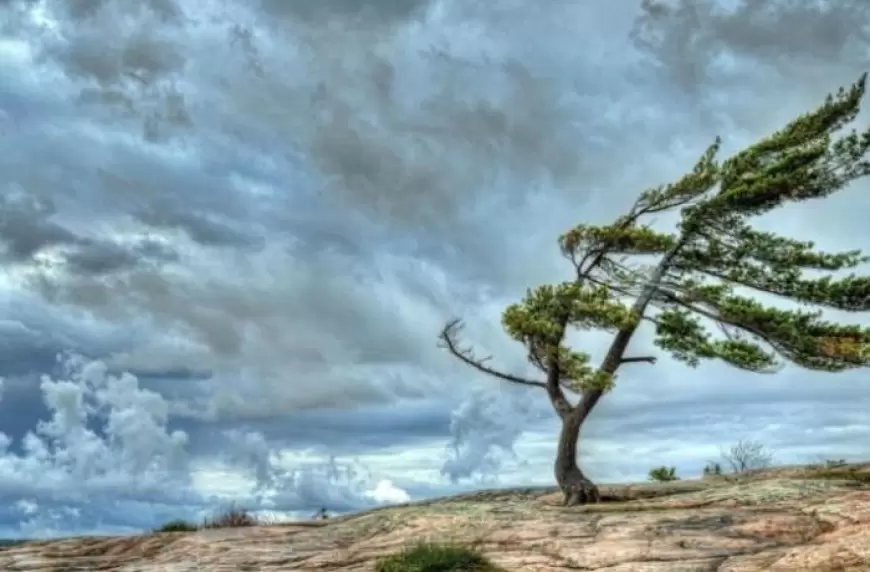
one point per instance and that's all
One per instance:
(230, 233)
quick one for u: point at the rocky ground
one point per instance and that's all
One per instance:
(789, 520)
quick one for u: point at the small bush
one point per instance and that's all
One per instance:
(713, 469)
(745, 456)
(178, 525)
(230, 518)
(663, 474)
(436, 558)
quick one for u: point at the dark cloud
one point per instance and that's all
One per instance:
(101, 257)
(696, 42)
(267, 210)
(345, 433)
(78, 10)
(201, 228)
(425, 167)
(369, 11)
(84, 257)
(25, 228)
(141, 58)
(124, 55)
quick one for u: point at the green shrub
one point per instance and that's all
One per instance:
(712, 469)
(663, 474)
(436, 558)
(178, 525)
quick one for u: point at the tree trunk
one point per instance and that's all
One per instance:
(576, 487)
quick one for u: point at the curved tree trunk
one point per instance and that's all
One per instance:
(576, 487)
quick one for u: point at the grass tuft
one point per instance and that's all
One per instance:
(429, 557)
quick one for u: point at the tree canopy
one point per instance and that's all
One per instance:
(699, 284)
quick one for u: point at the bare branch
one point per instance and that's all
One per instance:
(747, 456)
(448, 338)
(637, 359)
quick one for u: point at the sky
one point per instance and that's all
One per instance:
(231, 231)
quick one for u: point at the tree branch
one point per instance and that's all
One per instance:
(448, 337)
(670, 297)
(557, 397)
(636, 359)
(615, 353)
(536, 361)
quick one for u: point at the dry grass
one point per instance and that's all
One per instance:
(231, 517)
(850, 474)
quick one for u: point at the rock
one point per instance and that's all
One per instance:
(789, 520)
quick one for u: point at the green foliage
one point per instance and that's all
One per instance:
(663, 474)
(619, 237)
(681, 333)
(799, 162)
(710, 269)
(693, 185)
(178, 525)
(713, 469)
(436, 558)
(536, 323)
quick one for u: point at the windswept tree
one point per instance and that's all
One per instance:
(696, 284)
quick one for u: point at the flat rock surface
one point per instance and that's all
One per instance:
(788, 520)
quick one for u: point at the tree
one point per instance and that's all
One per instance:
(697, 276)
(746, 456)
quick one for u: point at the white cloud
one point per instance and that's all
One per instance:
(484, 430)
(286, 480)
(133, 453)
(388, 493)
(107, 438)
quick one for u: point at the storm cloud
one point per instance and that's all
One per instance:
(242, 225)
